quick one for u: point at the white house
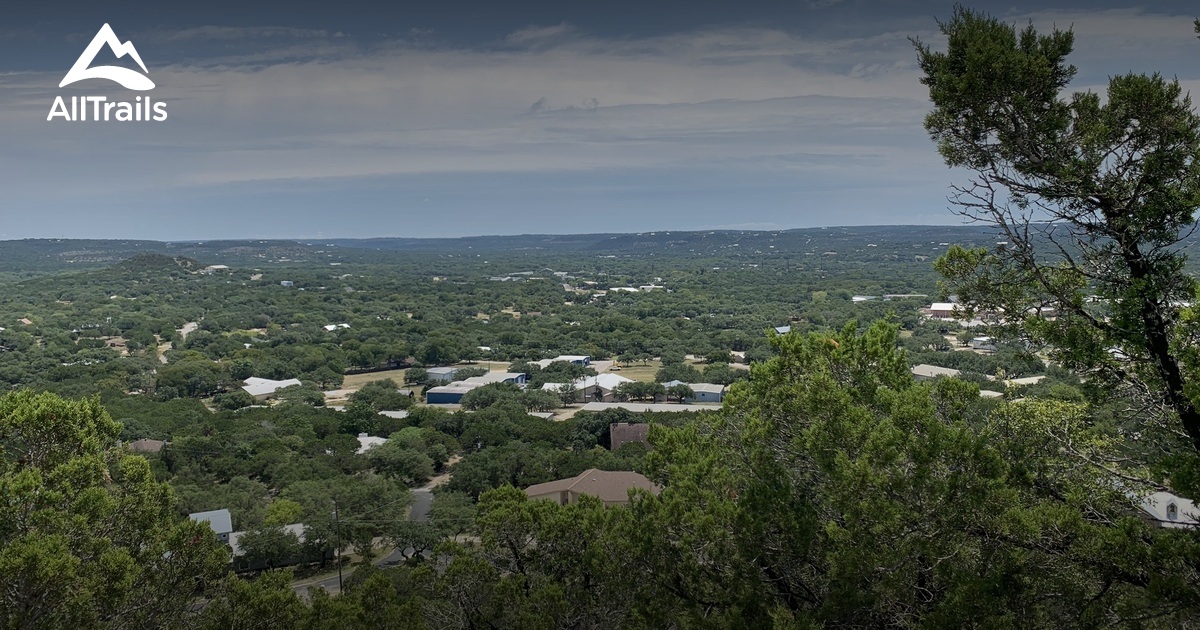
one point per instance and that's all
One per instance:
(941, 310)
(368, 442)
(264, 388)
(333, 327)
(1025, 381)
(592, 388)
(578, 359)
(1168, 510)
(983, 344)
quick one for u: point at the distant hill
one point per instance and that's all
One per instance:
(642, 241)
(153, 263)
(31, 257)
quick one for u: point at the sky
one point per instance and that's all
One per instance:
(474, 117)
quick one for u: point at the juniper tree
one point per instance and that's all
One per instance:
(1093, 198)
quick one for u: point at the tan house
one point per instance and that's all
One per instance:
(622, 433)
(146, 445)
(610, 486)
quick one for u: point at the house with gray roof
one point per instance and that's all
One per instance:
(220, 521)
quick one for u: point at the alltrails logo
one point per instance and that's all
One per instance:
(101, 108)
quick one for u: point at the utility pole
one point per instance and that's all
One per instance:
(337, 529)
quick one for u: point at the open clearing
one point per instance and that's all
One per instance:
(356, 381)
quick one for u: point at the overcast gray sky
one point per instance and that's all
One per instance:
(474, 117)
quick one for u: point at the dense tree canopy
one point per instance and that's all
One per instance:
(1093, 197)
(88, 537)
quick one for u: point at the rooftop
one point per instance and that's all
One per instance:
(493, 377)
(606, 485)
(622, 433)
(933, 371)
(1170, 510)
(146, 445)
(368, 442)
(219, 520)
(649, 407)
(258, 386)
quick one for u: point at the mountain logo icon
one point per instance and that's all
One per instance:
(127, 78)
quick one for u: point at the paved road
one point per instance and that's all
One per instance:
(422, 500)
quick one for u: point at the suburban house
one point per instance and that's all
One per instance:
(592, 388)
(611, 487)
(305, 553)
(924, 372)
(941, 310)
(703, 392)
(706, 392)
(443, 374)
(146, 445)
(219, 520)
(333, 327)
(577, 359)
(264, 388)
(622, 433)
(367, 442)
(296, 529)
(983, 344)
(1168, 510)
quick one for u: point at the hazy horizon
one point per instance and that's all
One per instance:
(303, 239)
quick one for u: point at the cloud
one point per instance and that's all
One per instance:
(239, 33)
(816, 119)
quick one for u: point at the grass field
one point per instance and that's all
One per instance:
(355, 381)
(641, 371)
